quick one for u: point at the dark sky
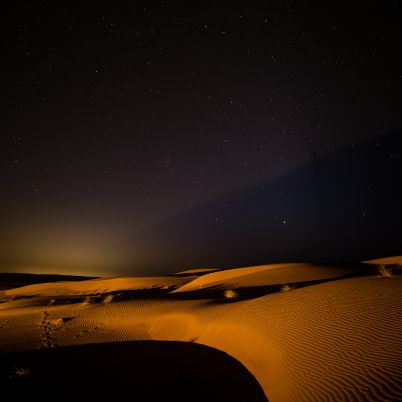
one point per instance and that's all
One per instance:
(120, 118)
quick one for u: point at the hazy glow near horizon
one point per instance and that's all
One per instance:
(126, 148)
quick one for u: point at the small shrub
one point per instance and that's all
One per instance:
(108, 299)
(287, 288)
(19, 372)
(231, 294)
(384, 271)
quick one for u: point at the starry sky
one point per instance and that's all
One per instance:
(124, 121)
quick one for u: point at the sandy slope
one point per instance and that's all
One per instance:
(395, 260)
(265, 275)
(93, 286)
(196, 271)
(334, 341)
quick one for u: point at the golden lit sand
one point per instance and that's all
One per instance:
(335, 339)
(396, 260)
(196, 271)
(95, 286)
(265, 275)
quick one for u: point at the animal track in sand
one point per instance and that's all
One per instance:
(48, 327)
(47, 340)
(86, 331)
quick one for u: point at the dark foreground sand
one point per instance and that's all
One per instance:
(129, 371)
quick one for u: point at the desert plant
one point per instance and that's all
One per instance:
(19, 372)
(384, 271)
(108, 299)
(287, 288)
(231, 294)
(86, 301)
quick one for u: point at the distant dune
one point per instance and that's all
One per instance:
(396, 260)
(306, 332)
(97, 286)
(199, 271)
(268, 275)
(14, 280)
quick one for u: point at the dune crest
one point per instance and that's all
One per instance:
(266, 275)
(93, 286)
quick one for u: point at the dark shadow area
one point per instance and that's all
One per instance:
(345, 206)
(129, 371)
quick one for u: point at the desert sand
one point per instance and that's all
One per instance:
(301, 332)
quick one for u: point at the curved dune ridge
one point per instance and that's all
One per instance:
(337, 340)
(395, 260)
(266, 275)
(196, 271)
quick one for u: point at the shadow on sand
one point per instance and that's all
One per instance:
(135, 371)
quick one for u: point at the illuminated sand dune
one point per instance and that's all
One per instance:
(265, 275)
(334, 335)
(96, 286)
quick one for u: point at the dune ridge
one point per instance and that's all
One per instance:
(100, 285)
(274, 274)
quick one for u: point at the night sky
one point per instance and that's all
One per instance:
(148, 137)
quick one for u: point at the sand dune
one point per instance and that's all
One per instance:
(15, 280)
(99, 286)
(396, 260)
(267, 275)
(337, 340)
(197, 271)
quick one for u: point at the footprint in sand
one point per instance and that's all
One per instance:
(46, 332)
(86, 331)
(48, 327)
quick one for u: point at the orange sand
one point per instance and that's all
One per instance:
(339, 340)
